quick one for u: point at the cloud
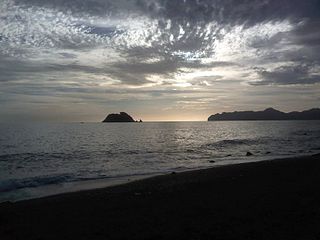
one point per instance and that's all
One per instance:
(287, 75)
(308, 34)
(155, 47)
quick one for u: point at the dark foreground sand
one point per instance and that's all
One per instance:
(266, 200)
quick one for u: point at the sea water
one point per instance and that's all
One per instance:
(42, 159)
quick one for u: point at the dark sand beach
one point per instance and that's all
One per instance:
(264, 200)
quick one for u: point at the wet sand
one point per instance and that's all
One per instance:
(264, 200)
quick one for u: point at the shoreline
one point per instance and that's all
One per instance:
(44, 191)
(51, 190)
(272, 199)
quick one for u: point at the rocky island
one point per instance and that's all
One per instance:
(267, 114)
(119, 117)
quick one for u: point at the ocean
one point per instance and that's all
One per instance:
(43, 159)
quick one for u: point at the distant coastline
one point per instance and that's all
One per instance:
(267, 114)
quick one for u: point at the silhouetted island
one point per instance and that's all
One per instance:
(119, 117)
(267, 114)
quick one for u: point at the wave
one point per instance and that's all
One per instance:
(232, 142)
(13, 184)
(306, 132)
(33, 182)
(28, 156)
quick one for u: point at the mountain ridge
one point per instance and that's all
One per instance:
(267, 114)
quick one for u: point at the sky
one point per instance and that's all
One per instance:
(158, 60)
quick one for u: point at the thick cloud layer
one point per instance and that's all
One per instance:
(202, 56)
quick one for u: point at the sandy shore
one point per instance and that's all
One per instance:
(263, 200)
